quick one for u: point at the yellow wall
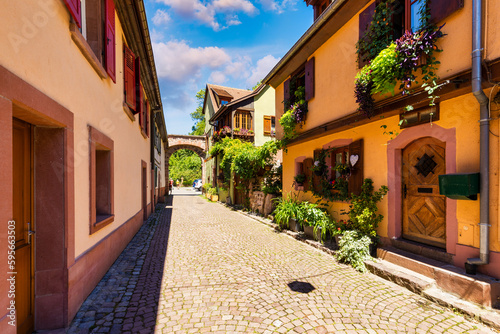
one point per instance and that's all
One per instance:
(336, 66)
(461, 113)
(263, 106)
(37, 46)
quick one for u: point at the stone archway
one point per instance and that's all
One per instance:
(197, 144)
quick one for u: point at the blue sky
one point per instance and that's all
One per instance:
(232, 43)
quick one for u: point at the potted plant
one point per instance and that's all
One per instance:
(343, 169)
(318, 168)
(286, 211)
(300, 179)
(309, 215)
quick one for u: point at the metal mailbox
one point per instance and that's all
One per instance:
(459, 186)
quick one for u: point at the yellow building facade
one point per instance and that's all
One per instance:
(390, 150)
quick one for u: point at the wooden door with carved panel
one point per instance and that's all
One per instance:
(424, 210)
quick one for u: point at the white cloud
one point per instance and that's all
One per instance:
(264, 66)
(161, 17)
(217, 77)
(207, 13)
(234, 6)
(278, 6)
(177, 61)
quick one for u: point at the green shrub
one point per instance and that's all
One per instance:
(354, 249)
(286, 209)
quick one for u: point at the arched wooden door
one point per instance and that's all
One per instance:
(424, 210)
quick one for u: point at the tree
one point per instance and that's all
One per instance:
(197, 116)
(186, 164)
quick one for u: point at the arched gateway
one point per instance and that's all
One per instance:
(198, 144)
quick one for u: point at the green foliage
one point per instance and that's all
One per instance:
(186, 164)
(354, 249)
(379, 33)
(310, 214)
(257, 85)
(286, 209)
(197, 116)
(288, 124)
(362, 213)
(272, 181)
(212, 191)
(384, 70)
(300, 178)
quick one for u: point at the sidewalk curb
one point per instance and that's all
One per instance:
(411, 281)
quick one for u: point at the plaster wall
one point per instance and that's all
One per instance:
(336, 66)
(460, 114)
(263, 106)
(37, 47)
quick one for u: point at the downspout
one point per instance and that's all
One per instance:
(484, 147)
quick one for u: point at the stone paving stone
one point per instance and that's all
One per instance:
(199, 267)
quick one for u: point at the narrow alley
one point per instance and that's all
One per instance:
(197, 267)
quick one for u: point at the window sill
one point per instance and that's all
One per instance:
(128, 112)
(101, 222)
(87, 52)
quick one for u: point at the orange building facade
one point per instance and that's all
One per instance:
(404, 150)
(83, 137)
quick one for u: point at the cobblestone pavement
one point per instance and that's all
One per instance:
(222, 272)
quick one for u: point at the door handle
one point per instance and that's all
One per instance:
(30, 233)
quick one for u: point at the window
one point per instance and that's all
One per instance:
(319, 6)
(101, 180)
(406, 16)
(96, 40)
(269, 126)
(223, 102)
(243, 120)
(300, 86)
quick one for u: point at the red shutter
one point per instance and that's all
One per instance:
(309, 73)
(146, 115)
(129, 77)
(286, 94)
(365, 18)
(141, 109)
(440, 9)
(356, 178)
(110, 40)
(137, 85)
(75, 9)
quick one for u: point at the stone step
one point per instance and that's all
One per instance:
(479, 289)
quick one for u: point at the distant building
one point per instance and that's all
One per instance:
(240, 114)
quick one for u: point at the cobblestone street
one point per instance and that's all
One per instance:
(198, 267)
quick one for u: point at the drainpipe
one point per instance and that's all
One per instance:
(484, 136)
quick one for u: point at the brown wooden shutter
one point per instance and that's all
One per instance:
(110, 40)
(286, 94)
(267, 125)
(129, 78)
(316, 178)
(308, 163)
(356, 178)
(365, 18)
(440, 9)
(75, 9)
(309, 78)
(137, 85)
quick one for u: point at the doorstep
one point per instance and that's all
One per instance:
(473, 295)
